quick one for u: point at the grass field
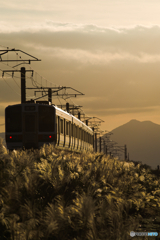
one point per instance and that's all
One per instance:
(52, 194)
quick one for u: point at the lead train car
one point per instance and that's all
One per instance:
(30, 125)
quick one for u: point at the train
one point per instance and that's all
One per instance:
(33, 124)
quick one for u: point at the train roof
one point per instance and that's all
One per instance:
(75, 120)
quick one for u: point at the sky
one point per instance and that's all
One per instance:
(108, 50)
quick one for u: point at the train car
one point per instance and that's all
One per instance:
(30, 125)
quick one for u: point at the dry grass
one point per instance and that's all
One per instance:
(55, 194)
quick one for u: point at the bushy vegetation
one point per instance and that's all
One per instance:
(52, 194)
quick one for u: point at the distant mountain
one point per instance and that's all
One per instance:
(142, 140)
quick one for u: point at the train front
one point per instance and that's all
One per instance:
(29, 125)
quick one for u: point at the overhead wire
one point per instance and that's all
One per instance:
(35, 83)
(11, 76)
(10, 86)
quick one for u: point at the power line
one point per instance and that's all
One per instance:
(10, 87)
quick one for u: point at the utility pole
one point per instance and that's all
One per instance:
(22, 71)
(125, 152)
(50, 95)
(100, 144)
(67, 107)
(95, 142)
(23, 81)
(23, 85)
(93, 137)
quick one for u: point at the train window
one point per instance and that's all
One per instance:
(79, 133)
(57, 125)
(76, 131)
(46, 116)
(14, 119)
(61, 123)
(72, 129)
(67, 128)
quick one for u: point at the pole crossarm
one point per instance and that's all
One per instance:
(16, 60)
(55, 91)
(13, 71)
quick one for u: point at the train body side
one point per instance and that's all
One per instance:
(72, 133)
(31, 125)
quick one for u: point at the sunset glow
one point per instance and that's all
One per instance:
(107, 50)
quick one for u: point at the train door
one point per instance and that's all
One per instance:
(80, 142)
(75, 140)
(77, 137)
(73, 134)
(64, 136)
(61, 142)
(30, 130)
(70, 134)
(67, 134)
(58, 130)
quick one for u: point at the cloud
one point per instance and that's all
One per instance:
(88, 44)
(97, 57)
(116, 69)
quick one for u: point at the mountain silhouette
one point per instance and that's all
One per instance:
(142, 140)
